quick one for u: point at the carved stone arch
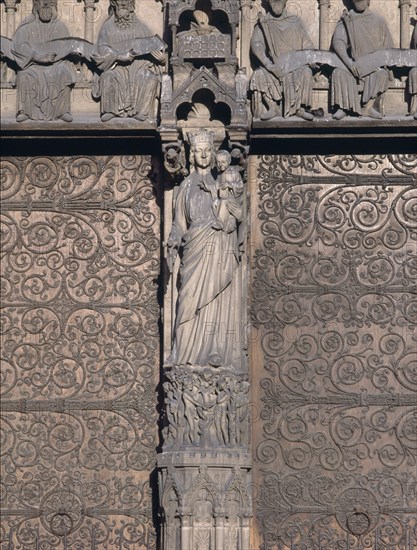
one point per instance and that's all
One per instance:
(216, 110)
(171, 485)
(171, 505)
(237, 486)
(229, 7)
(202, 482)
(203, 80)
(219, 17)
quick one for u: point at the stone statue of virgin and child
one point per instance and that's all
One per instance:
(207, 234)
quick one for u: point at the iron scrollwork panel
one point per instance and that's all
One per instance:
(80, 257)
(334, 306)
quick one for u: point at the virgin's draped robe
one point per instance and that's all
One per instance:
(272, 37)
(126, 90)
(43, 91)
(208, 318)
(370, 33)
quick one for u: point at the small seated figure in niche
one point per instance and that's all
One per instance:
(412, 77)
(274, 35)
(130, 79)
(44, 80)
(360, 31)
(230, 189)
(200, 26)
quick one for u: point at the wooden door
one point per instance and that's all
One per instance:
(80, 352)
(333, 353)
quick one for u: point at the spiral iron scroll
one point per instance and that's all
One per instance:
(80, 255)
(334, 306)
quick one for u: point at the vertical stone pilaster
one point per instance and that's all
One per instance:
(10, 8)
(324, 30)
(249, 15)
(219, 525)
(404, 6)
(186, 531)
(89, 9)
(245, 530)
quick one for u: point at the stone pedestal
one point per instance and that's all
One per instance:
(205, 499)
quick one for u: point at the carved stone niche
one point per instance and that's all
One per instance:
(205, 507)
(204, 73)
(203, 34)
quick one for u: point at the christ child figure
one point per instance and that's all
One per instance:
(230, 193)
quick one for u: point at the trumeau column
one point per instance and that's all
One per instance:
(405, 23)
(205, 466)
(324, 31)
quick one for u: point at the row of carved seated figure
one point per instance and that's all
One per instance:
(361, 63)
(128, 62)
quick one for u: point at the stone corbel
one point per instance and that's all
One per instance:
(404, 6)
(324, 31)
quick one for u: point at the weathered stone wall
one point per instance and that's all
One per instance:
(333, 362)
(80, 352)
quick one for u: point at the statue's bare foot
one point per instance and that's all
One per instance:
(66, 117)
(269, 115)
(21, 117)
(105, 117)
(140, 117)
(373, 113)
(215, 360)
(339, 114)
(306, 115)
